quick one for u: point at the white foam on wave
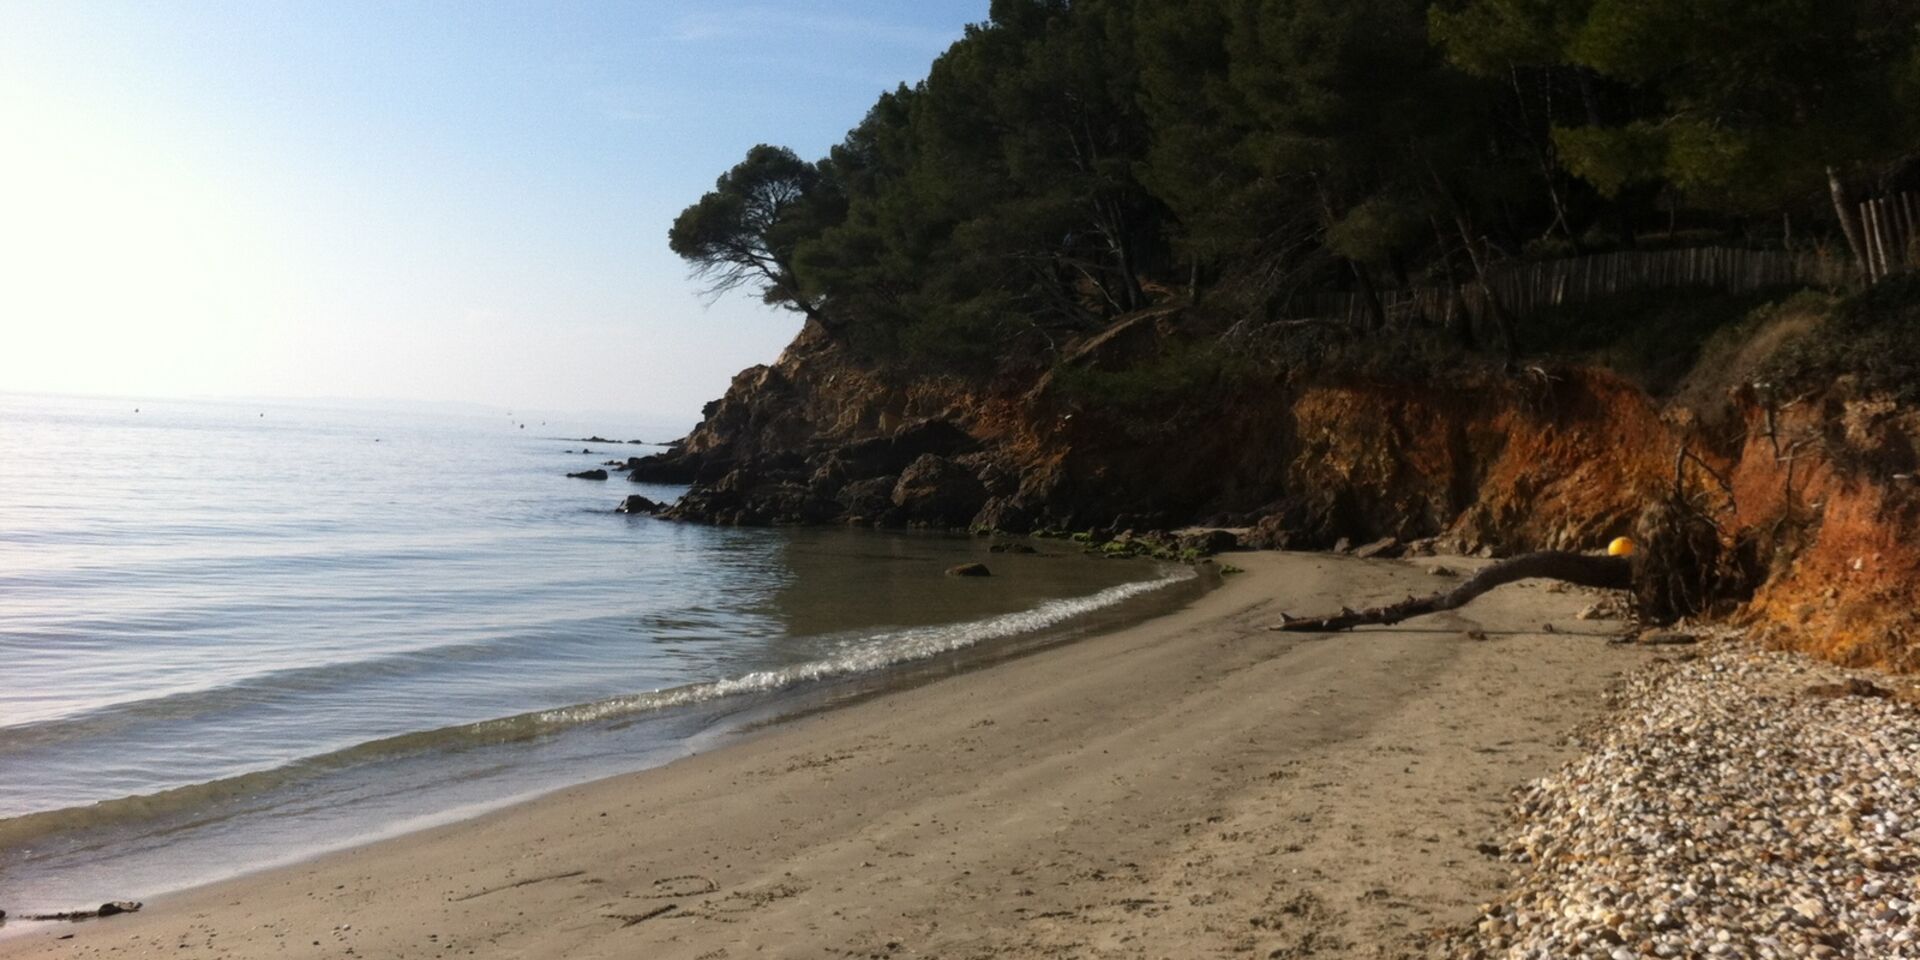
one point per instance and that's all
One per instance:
(867, 654)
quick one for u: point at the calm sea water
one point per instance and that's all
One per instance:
(233, 635)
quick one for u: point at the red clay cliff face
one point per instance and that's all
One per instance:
(1511, 464)
(1832, 481)
(1514, 465)
(1567, 459)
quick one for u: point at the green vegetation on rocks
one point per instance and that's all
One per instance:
(1071, 161)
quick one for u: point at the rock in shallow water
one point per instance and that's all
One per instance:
(1270, 533)
(969, 570)
(1382, 549)
(1206, 543)
(937, 491)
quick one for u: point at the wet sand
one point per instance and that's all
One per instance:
(1194, 785)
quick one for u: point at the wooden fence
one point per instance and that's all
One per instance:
(1526, 289)
(1890, 228)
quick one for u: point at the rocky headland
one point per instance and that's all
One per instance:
(1810, 494)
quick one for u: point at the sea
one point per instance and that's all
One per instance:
(237, 634)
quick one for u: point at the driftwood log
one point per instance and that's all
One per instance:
(1611, 573)
(111, 908)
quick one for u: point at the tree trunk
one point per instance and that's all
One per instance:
(1456, 319)
(813, 313)
(1849, 221)
(1111, 221)
(1588, 97)
(1609, 573)
(1496, 311)
(1376, 314)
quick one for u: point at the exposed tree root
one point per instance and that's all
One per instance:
(1610, 573)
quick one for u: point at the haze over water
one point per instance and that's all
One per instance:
(232, 634)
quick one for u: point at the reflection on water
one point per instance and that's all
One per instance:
(257, 636)
(836, 581)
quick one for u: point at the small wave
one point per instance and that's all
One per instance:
(250, 792)
(862, 656)
(201, 697)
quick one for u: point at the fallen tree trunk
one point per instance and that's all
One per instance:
(1610, 573)
(112, 908)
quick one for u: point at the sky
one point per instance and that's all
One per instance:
(423, 201)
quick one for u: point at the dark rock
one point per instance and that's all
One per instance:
(1667, 638)
(999, 481)
(892, 454)
(116, 907)
(1006, 514)
(788, 502)
(718, 503)
(639, 504)
(1126, 543)
(868, 498)
(596, 438)
(1270, 533)
(933, 435)
(1206, 543)
(589, 475)
(1854, 687)
(935, 491)
(774, 491)
(672, 467)
(829, 477)
(1006, 547)
(1383, 549)
(714, 469)
(969, 570)
(1141, 521)
(789, 461)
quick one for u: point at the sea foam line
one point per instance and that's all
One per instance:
(865, 656)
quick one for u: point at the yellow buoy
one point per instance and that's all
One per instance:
(1621, 547)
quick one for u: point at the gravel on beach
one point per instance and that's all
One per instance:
(1738, 803)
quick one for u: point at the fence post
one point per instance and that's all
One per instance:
(1866, 244)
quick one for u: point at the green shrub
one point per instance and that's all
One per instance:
(1873, 337)
(1654, 338)
(1184, 372)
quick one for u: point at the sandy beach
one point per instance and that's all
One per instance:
(1194, 785)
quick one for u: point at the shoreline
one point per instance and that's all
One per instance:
(147, 846)
(1150, 784)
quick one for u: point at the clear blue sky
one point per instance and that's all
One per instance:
(410, 200)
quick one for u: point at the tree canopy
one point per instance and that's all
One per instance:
(1069, 161)
(747, 229)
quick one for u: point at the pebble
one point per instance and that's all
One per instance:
(1720, 810)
